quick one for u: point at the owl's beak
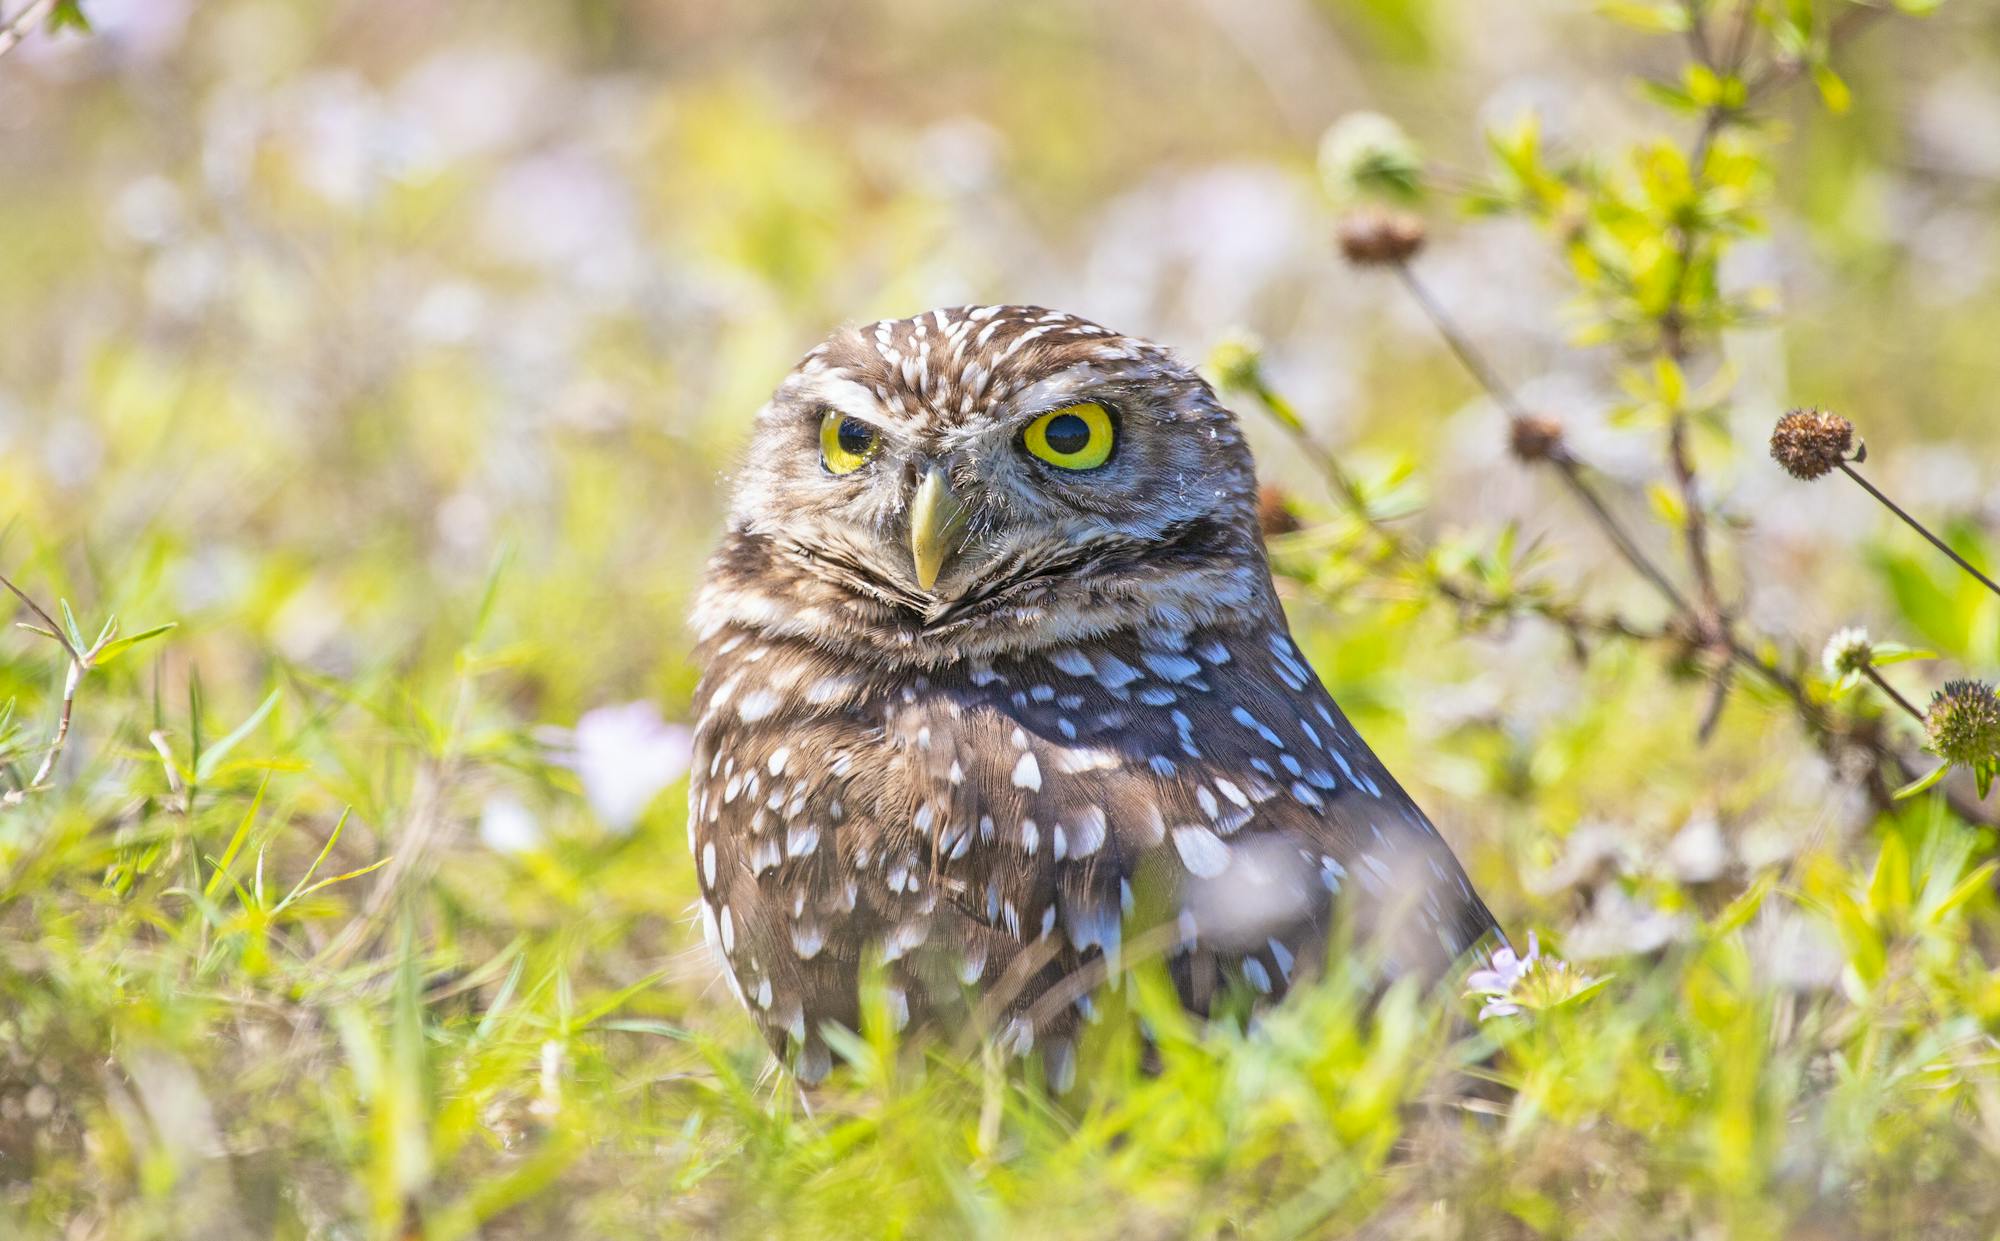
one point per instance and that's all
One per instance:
(937, 519)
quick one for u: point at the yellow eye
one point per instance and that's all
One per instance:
(1076, 437)
(845, 443)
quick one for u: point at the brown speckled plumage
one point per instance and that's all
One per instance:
(1098, 692)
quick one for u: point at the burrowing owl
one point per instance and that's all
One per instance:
(991, 642)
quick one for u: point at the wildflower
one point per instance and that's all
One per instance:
(1535, 437)
(1964, 723)
(1514, 982)
(624, 755)
(1848, 652)
(1366, 153)
(1500, 978)
(1812, 442)
(1376, 237)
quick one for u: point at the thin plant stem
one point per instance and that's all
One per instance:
(48, 622)
(1919, 527)
(1894, 696)
(16, 28)
(1572, 473)
(1460, 345)
(71, 680)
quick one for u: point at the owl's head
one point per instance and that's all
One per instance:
(954, 474)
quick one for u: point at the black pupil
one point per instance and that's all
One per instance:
(1067, 434)
(855, 436)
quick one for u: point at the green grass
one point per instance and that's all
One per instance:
(219, 1017)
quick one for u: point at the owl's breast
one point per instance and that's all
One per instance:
(996, 815)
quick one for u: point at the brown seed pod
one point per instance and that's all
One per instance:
(1535, 437)
(1812, 442)
(1376, 237)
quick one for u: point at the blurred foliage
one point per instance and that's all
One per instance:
(396, 355)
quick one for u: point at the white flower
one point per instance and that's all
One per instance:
(1847, 652)
(625, 754)
(507, 826)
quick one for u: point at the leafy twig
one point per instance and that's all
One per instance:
(82, 658)
(1566, 463)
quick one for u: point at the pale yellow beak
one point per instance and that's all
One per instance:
(937, 519)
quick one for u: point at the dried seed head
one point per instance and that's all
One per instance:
(1812, 442)
(1375, 237)
(1274, 511)
(1535, 437)
(1964, 723)
(1847, 651)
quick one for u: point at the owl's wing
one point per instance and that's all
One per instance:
(1042, 787)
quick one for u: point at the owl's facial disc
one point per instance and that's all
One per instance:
(1001, 475)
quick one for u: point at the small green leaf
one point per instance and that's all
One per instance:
(195, 738)
(1667, 503)
(1884, 653)
(69, 623)
(1918, 785)
(333, 838)
(343, 877)
(1658, 16)
(1889, 886)
(1973, 884)
(212, 758)
(68, 14)
(501, 1000)
(1832, 90)
(236, 842)
(1739, 911)
(112, 650)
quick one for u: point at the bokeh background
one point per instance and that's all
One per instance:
(400, 353)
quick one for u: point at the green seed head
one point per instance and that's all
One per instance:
(1237, 363)
(1964, 723)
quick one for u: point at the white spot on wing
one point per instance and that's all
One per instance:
(1086, 835)
(1115, 673)
(1202, 851)
(1073, 662)
(1170, 667)
(756, 704)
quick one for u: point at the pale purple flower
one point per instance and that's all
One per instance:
(625, 754)
(1499, 979)
(1515, 982)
